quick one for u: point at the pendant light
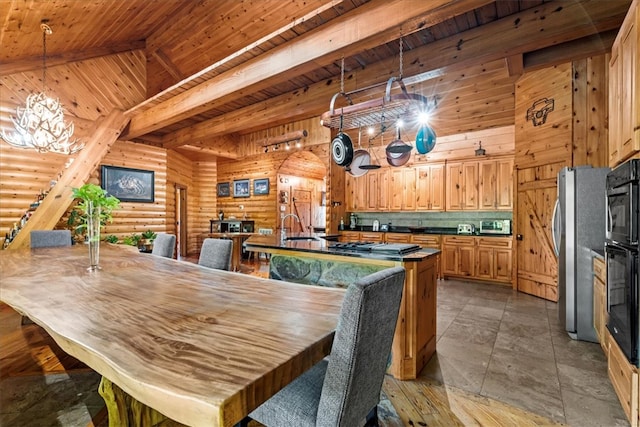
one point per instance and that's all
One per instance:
(40, 123)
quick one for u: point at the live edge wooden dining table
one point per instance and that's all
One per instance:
(203, 347)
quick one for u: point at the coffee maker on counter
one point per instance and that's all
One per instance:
(353, 221)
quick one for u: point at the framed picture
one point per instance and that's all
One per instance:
(128, 185)
(260, 186)
(224, 189)
(241, 188)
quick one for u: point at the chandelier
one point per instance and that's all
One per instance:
(40, 123)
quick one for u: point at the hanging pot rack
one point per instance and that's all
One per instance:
(383, 111)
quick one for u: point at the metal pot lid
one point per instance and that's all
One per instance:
(342, 149)
(360, 158)
(425, 139)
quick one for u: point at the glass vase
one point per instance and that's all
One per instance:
(93, 236)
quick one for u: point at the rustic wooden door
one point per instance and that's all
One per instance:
(302, 207)
(537, 261)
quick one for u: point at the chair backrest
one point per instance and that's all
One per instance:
(50, 238)
(216, 253)
(361, 348)
(164, 245)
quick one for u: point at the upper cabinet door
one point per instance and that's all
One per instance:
(430, 187)
(624, 91)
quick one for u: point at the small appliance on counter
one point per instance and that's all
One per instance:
(376, 225)
(495, 226)
(466, 228)
(353, 221)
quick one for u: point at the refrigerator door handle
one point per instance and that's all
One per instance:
(555, 226)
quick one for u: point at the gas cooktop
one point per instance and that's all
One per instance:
(376, 247)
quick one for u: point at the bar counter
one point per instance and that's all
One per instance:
(414, 341)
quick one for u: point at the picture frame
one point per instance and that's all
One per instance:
(128, 185)
(241, 188)
(224, 190)
(261, 186)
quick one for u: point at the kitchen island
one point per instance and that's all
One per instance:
(313, 260)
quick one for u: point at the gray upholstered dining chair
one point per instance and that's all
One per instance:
(343, 390)
(164, 245)
(49, 238)
(216, 253)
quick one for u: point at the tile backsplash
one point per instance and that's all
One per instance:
(428, 219)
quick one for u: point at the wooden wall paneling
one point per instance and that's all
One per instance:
(201, 202)
(23, 175)
(590, 111)
(496, 141)
(261, 209)
(135, 217)
(551, 141)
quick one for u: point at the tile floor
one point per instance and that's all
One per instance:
(510, 346)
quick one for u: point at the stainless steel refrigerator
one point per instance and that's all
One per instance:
(578, 227)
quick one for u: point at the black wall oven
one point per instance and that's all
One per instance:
(621, 252)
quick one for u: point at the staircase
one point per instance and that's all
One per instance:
(59, 198)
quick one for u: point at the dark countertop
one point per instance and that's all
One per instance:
(317, 244)
(423, 230)
(598, 253)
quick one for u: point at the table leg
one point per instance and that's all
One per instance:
(125, 411)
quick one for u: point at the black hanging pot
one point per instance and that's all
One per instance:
(342, 148)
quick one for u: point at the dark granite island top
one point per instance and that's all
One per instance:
(312, 260)
(318, 245)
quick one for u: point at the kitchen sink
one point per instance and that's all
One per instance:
(309, 238)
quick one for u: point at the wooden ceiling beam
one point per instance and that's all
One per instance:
(421, 64)
(569, 51)
(346, 35)
(35, 62)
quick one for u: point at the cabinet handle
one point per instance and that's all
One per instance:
(519, 237)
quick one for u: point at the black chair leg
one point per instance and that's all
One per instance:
(372, 418)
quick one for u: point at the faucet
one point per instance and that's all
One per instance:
(283, 233)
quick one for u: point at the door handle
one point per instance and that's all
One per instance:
(553, 227)
(519, 237)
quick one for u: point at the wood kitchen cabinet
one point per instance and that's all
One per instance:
(458, 254)
(378, 189)
(349, 236)
(494, 258)
(600, 301)
(495, 184)
(397, 238)
(624, 378)
(402, 189)
(482, 258)
(356, 193)
(624, 90)
(461, 186)
(433, 241)
(430, 187)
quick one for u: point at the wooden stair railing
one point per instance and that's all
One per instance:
(58, 200)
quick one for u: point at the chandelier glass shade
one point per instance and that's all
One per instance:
(40, 123)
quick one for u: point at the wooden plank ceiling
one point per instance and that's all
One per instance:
(202, 72)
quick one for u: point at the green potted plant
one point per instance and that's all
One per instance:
(96, 208)
(111, 238)
(146, 242)
(132, 240)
